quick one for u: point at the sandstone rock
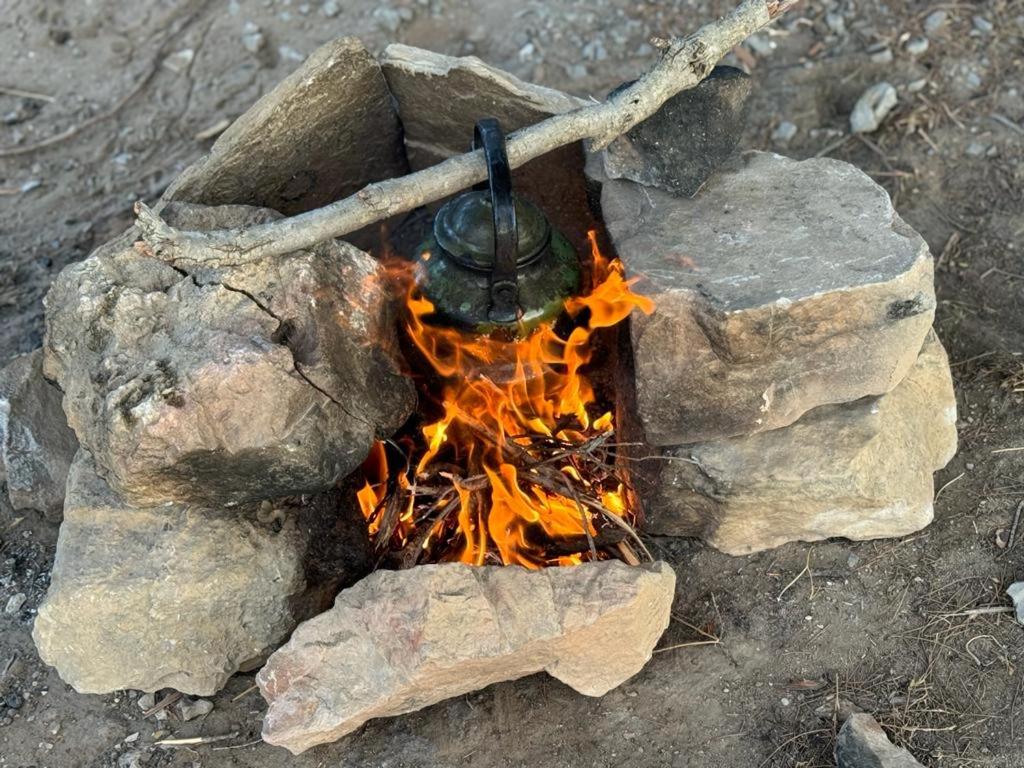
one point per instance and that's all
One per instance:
(36, 444)
(230, 383)
(175, 596)
(323, 133)
(862, 470)
(402, 640)
(782, 286)
(687, 139)
(862, 743)
(439, 125)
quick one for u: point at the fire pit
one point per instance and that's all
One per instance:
(460, 439)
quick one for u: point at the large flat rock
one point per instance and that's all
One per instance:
(399, 641)
(861, 470)
(36, 444)
(781, 286)
(440, 98)
(218, 384)
(322, 134)
(179, 596)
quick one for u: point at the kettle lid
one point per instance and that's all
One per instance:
(464, 228)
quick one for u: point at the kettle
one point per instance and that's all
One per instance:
(493, 262)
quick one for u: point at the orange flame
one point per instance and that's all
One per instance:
(494, 393)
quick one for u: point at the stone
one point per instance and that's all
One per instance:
(438, 126)
(221, 384)
(861, 470)
(916, 46)
(782, 286)
(982, 25)
(176, 596)
(1016, 593)
(14, 603)
(402, 640)
(784, 132)
(326, 131)
(253, 39)
(934, 21)
(190, 709)
(872, 108)
(862, 743)
(681, 145)
(36, 444)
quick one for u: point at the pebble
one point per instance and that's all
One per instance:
(836, 22)
(762, 45)
(916, 86)
(15, 602)
(330, 9)
(880, 54)
(179, 61)
(135, 758)
(915, 46)
(13, 700)
(976, 149)
(146, 701)
(934, 21)
(983, 25)
(252, 38)
(190, 709)
(784, 132)
(872, 107)
(391, 18)
(287, 53)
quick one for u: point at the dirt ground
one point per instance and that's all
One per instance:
(881, 623)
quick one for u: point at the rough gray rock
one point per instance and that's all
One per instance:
(402, 640)
(36, 444)
(438, 126)
(862, 743)
(782, 286)
(177, 596)
(220, 384)
(861, 470)
(323, 133)
(681, 145)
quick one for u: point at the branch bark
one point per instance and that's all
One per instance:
(684, 63)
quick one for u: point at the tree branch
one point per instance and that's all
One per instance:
(684, 63)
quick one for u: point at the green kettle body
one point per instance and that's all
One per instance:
(493, 262)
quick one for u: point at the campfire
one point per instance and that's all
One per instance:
(389, 480)
(515, 463)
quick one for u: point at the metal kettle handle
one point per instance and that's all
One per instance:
(504, 288)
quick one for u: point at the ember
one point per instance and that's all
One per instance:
(519, 465)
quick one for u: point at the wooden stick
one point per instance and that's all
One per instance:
(684, 63)
(194, 740)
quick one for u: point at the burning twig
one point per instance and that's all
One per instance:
(684, 63)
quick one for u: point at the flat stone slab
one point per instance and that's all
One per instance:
(218, 383)
(179, 596)
(440, 98)
(324, 132)
(781, 286)
(36, 444)
(861, 470)
(399, 641)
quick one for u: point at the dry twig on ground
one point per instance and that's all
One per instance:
(684, 63)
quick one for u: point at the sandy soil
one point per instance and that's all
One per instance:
(879, 622)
